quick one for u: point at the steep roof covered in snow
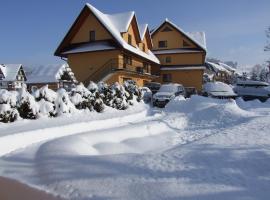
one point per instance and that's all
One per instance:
(227, 67)
(116, 24)
(216, 67)
(197, 37)
(10, 71)
(48, 73)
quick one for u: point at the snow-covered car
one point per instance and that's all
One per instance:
(250, 90)
(218, 90)
(147, 94)
(153, 86)
(166, 93)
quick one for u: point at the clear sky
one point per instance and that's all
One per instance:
(235, 29)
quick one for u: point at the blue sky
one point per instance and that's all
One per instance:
(235, 29)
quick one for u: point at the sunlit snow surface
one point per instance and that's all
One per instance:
(199, 148)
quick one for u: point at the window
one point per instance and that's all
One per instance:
(129, 39)
(146, 67)
(127, 60)
(92, 35)
(168, 59)
(185, 44)
(167, 77)
(162, 44)
(166, 29)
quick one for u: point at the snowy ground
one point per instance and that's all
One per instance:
(198, 148)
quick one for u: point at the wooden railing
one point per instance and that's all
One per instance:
(113, 65)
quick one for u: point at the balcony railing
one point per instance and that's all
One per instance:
(120, 64)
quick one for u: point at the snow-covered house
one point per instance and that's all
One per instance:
(55, 76)
(181, 54)
(12, 76)
(108, 47)
(219, 71)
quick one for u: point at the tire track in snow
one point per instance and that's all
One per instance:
(21, 140)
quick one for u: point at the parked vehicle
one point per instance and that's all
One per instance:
(166, 93)
(190, 91)
(250, 90)
(153, 86)
(147, 94)
(218, 90)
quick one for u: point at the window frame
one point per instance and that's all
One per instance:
(92, 35)
(165, 42)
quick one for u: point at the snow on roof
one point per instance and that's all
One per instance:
(218, 89)
(216, 67)
(121, 21)
(197, 37)
(116, 33)
(166, 68)
(88, 47)
(48, 73)
(227, 67)
(171, 51)
(10, 71)
(142, 29)
(251, 82)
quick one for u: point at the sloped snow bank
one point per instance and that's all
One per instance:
(9, 143)
(206, 110)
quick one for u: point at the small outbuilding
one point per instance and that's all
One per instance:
(12, 76)
(55, 76)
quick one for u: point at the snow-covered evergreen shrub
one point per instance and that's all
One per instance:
(120, 97)
(46, 99)
(27, 106)
(8, 100)
(46, 94)
(133, 90)
(7, 113)
(63, 103)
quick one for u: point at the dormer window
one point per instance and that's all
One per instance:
(185, 44)
(92, 36)
(162, 44)
(129, 39)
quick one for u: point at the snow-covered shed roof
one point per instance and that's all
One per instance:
(216, 67)
(227, 67)
(143, 29)
(117, 24)
(10, 71)
(48, 73)
(172, 51)
(196, 37)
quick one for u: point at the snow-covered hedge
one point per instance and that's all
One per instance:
(46, 102)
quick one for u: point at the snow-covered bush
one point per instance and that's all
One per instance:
(46, 99)
(46, 94)
(133, 90)
(63, 103)
(82, 98)
(27, 107)
(120, 97)
(8, 100)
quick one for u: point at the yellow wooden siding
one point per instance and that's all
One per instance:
(174, 39)
(188, 78)
(91, 24)
(84, 64)
(183, 59)
(131, 31)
